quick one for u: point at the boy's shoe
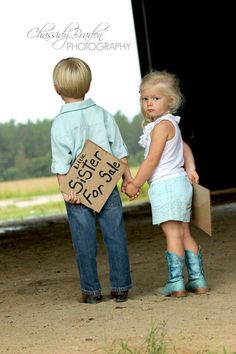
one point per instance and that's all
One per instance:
(119, 296)
(91, 299)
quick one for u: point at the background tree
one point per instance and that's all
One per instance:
(25, 148)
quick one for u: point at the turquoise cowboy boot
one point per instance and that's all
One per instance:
(196, 280)
(175, 285)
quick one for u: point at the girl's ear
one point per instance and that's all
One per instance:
(171, 101)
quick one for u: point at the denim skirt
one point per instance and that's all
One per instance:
(171, 199)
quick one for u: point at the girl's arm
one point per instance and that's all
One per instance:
(160, 134)
(189, 164)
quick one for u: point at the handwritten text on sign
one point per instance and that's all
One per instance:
(93, 176)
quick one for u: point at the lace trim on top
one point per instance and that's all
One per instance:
(144, 138)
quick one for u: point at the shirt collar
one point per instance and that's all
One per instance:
(166, 116)
(75, 106)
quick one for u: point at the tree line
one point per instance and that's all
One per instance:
(25, 148)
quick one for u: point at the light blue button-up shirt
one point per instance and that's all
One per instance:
(77, 122)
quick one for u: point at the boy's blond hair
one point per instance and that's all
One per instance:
(168, 83)
(72, 77)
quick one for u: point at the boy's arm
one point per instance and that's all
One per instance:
(189, 164)
(127, 177)
(61, 160)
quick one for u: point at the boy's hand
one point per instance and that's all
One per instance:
(71, 198)
(125, 183)
(132, 191)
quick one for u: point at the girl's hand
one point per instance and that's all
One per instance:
(193, 176)
(132, 191)
(71, 198)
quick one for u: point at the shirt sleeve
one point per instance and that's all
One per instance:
(61, 154)
(118, 147)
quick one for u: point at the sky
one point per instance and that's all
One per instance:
(36, 35)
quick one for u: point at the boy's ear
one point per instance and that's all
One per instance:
(57, 89)
(88, 88)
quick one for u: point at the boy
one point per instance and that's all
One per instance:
(81, 119)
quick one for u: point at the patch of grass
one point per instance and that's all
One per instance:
(29, 188)
(12, 212)
(155, 343)
(36, 187)
(224, 352)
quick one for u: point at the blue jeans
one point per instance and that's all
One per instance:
(82, 221)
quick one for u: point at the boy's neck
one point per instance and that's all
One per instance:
(71, 100)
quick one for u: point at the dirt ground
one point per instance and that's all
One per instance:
(40, 310)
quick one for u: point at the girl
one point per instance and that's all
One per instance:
(170, 190)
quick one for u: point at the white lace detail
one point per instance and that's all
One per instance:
(144, 138)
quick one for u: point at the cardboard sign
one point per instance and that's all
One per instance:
(201, 208)
(93, 176)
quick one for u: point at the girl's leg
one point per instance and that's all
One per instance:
(193, 258)
(189, 242)
(174, 234)
(175, 259)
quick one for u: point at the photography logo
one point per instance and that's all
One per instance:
(73, 37)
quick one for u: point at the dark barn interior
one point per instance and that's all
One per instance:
(196, 44)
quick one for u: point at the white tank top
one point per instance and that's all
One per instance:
(172, 160)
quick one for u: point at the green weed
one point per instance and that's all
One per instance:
(155, 343)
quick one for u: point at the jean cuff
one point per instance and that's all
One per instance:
(123, 288)
(95, 293)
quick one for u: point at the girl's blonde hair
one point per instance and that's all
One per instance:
(72, 77)
(169, 85)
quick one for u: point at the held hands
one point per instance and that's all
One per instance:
(125, 183)
(130, 189)
(128, 186)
